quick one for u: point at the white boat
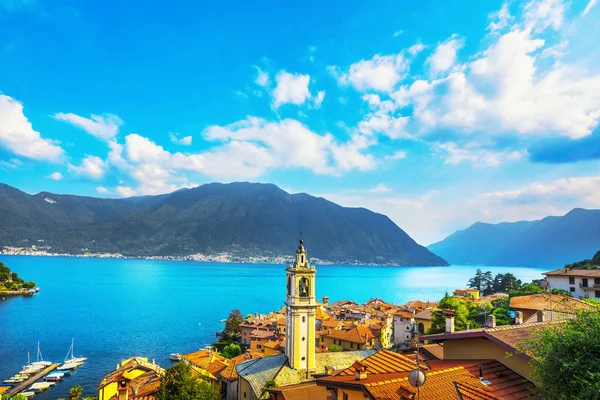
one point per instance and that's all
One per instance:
(27, 394)
(41, 386)
(72, 357)
(70, 365)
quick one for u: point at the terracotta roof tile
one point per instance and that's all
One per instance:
(303, 391)
(546, 301)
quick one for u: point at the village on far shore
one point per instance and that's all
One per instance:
(472, 344)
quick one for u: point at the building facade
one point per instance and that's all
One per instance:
(301, 312)
(582, 283)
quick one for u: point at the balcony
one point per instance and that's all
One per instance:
(587, 286)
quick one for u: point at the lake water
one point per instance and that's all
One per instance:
(120, 308)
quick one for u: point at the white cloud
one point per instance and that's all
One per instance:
(589, 7)
(318, 100)
(542, 14)
(444, 56)
(57, 176)
(478, 157)
(500, 20)
(102, 190)
(12, 163)
(18, 136)
(91, 166)
(291, 88)
(380, 73)
(538, 200)
(416, 49)
(384, 119)
(400, 154)
(183, 141)
(262, 78)
(125, 191)
(377, 189)
(398, 33)
(502, 91)
(104, 127)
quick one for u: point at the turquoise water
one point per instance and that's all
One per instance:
(119, 308)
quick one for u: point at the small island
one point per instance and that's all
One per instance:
(12, 284)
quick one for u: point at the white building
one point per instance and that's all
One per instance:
(581, 283)
(403, 328)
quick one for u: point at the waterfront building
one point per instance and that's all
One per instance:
(301, 312)
(300, 362)
(423, 321)
(582, 283)
(134, 378)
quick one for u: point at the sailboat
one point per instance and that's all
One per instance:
(39, 364)
(72, 362)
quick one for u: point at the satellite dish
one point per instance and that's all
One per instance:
(417, 377)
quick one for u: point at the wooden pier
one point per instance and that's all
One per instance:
(25, 384)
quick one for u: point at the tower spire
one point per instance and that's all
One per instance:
(301, 311)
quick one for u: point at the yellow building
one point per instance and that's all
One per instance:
(134, 376)
(474, 293)
(301, 312)
(423, 321)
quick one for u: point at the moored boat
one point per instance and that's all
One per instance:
(176, 357)
(72, 358)
(27, 394)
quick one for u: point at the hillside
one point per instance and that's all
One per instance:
(244, 219)
(549, 242)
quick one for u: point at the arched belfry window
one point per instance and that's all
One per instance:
(289, 285)
(302, 259)
(303, 287)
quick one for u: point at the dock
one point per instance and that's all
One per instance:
(25, 384)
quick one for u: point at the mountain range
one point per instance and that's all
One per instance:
(550, 242)
(242, 219)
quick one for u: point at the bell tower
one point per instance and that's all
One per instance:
(301, 311)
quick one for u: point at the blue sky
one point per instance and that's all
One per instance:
(438, 114)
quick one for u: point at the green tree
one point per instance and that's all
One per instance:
(527, 289)
(476, 281)
(487, 283)
(591, 300)
(504, 283)
(232, 326)
(181, 383)
(29, 285)
(561, 292)
(335, 348)
(461, 308)
(75, 392)
(564, 358)
(231, 350)
(501, 315)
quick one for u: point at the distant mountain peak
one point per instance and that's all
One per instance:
(550, 242)
(239, 218)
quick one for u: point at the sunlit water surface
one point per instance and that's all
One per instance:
(119, 308)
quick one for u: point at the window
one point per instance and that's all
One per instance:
(584, 282)
(596, 281)
(351, 345)
(303, 287)
(258, 346)
(571, 289)
(345, 396)
(597, 293)
(572, 280)
(421, 327)
(244, 394)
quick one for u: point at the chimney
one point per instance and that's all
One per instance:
(491, 321)
(449, 314)
(540, 316)
(325, 300)
(360, 371)
(123, 389)
(518, 317)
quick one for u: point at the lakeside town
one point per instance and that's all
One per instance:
(483, 341)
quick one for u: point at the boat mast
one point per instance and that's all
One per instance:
(39, 354)
(70, 350)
